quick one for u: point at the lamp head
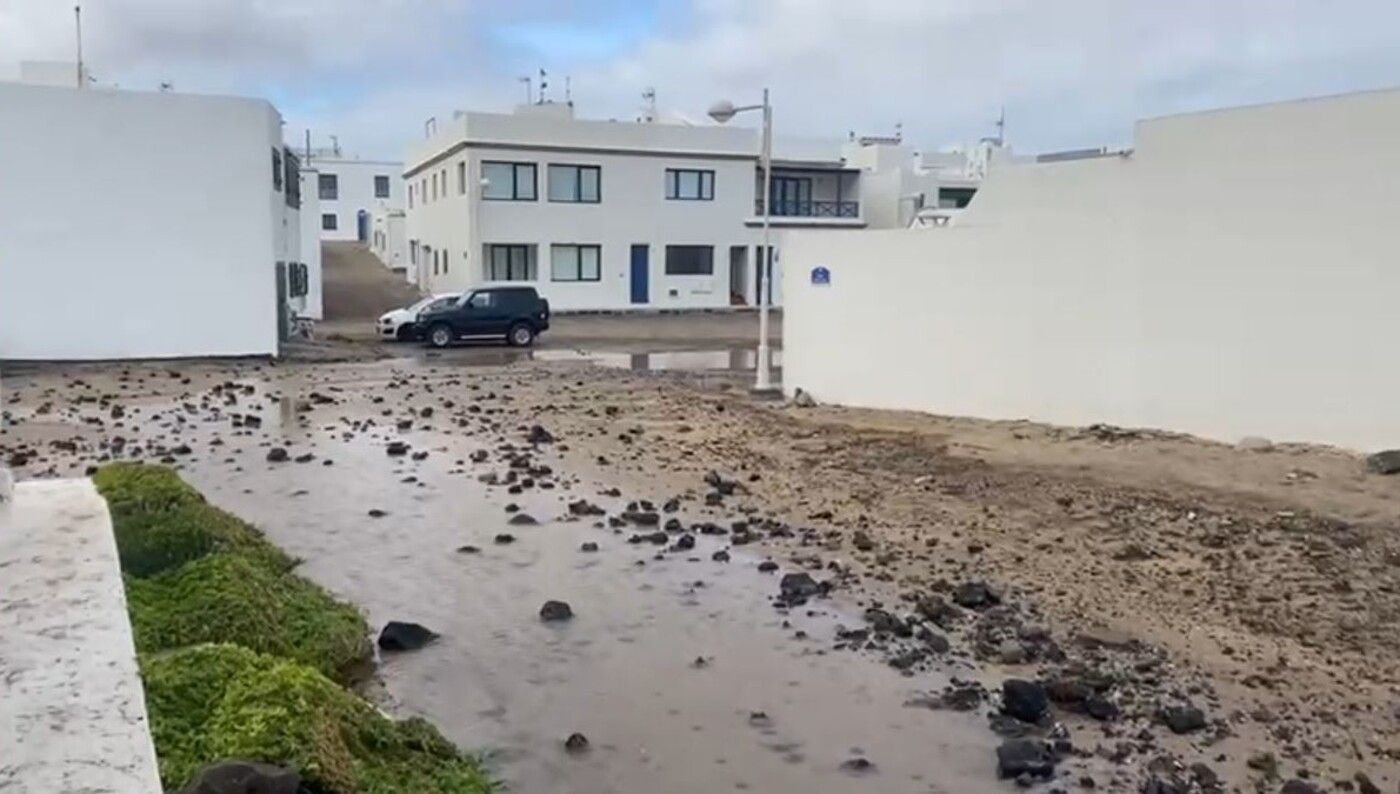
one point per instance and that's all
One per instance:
(722, 111)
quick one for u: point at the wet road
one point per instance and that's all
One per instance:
(679, 670)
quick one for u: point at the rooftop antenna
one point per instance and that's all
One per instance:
(78, 29)
(335, 145)
(1001, 127)
(649, 98)
(544, 85)
(568, 91)
(166, 86)
(899, 132)
(308, 147)
(529, 90)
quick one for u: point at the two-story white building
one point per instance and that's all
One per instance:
(145, 225)
(349, 191)
(607, 215)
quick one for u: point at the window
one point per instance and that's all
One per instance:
(462, 178)
(276, 170)
(955, 197)
(410, 196)
(423, 190)
(328, 221)
(435, 187)
(575, 263)
(482, 300)
(381, 186)
(327, 187)
(508, 181)
(291, 170)
(510, 263)
(574, 183)
(690, 260)
(690, 185)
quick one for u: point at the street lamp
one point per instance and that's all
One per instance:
(722, 112)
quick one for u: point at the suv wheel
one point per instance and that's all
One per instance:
(521, 335)
(440, 335)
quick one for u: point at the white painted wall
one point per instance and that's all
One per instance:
(389, 240)
(1235, 276)
(138, 224)
(355, 192)
(311, 304)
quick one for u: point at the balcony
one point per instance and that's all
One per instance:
(811, 209)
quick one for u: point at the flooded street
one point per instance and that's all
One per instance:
(677, 667)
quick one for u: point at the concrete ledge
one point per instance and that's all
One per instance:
(72, 713)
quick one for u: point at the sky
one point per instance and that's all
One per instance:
(1069, 73)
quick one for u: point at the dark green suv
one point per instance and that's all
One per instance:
(516, 314)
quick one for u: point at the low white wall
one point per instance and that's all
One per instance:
(1237, 275)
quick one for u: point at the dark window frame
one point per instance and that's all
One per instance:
(382, 179)
(706, 184)
(708, 261)
(334, 219)
(516, 166)
(277, 173)
(578, 198)
(323, 187)
(511, 262)
(579, 248)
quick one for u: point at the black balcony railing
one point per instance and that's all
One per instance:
(811, 209)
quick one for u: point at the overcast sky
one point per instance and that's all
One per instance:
(1070, 73)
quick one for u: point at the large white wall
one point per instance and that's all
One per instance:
(138, 224)
(1236, 275)
(355, 192)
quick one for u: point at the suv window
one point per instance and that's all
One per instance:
(482, 300)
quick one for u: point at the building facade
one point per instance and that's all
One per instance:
(350, 190)
(144, 225)
(609, 215)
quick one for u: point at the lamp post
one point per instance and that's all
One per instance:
(722, 112)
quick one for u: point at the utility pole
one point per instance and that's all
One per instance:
(78, 26)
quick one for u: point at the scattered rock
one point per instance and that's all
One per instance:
(1256, 444)
(468, 550)
(555, 610)
(576, 743)
(975, 595)
(538, 435)
(1016, 757)
(1024, 700)
(277, 455)
(522, 520)
(244, 777)
(802, 399)
(857, 766)
(403, 636)
(588, 546)
(504, 538)
(1183, 719)
(396, 449)
(1386, 462)
(1296, 786)
(798, 585)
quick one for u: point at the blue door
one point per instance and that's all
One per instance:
(640, 272)
(362, 226)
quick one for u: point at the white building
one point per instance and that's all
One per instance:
(624, 215)
(143, 225)
(388, 240)
(1198, 281)
(351, 190)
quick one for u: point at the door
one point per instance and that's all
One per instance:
(738, 274)
(362, 226)
(283, 322)
(792, 196)
(483, 314)
(640, 274)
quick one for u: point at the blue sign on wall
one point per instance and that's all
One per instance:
(821, 276)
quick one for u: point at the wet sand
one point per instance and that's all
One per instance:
(1261, 587)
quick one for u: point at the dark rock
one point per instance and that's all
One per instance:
(685, 542)
(1016, 757)
(1387, 462)
(522, 519)
(1024, 700)
(1296, 786)
(583, 507)
(555, 610)
(277, 455)
(468, 550)
(720, 556)
(862, 541)
(1183, 719)
(642, 518)
(402, 636)
(588, 546)
(798, 585)
(975, 595)
(375, 512)
(885, 623)
(933, 640)
(767, 566)
(396, 448)
(1101, 708)
(576, 743)
(243, 777)
(1364, 784)
(504, 538)
(538, 435)
(857, 766)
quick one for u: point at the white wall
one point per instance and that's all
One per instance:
(1235, 276)
(137, 224)
(355, 193)
(388, 240)
(311, 305)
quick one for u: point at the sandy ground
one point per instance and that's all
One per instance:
(1261, 587)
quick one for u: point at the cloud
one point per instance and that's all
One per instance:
(1070, 73)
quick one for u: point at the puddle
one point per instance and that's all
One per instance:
(728, 359)
(624, 671)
